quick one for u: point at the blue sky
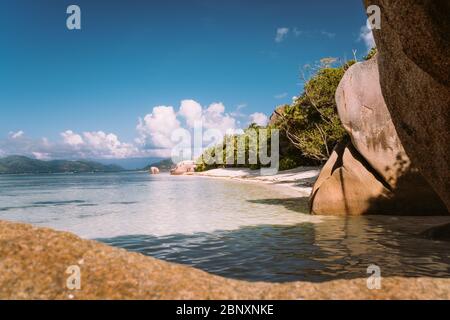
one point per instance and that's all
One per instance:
(131, 56)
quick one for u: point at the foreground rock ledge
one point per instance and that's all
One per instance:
(33, 262)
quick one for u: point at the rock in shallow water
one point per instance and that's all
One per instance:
(345, 185)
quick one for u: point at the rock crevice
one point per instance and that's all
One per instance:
(414, 67)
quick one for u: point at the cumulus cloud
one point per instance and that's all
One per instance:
(93, 145)
(259, 118)
(157, 134)
(71, 138)
(214, 117)
(192, 111)
(366, 35)
(281, 34)
(156, 128)
(107, 145)
(166, 130)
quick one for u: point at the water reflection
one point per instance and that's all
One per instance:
(334, 249)
(297, 204)
(238, 230)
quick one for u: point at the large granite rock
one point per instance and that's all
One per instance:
(154, 170)
(184, 167)
(34, 261)
(414, 62)
(372, 174)
(365, 117)
(276, 115)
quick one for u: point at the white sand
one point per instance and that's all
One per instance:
(300, 179)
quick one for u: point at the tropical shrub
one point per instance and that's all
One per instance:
(309, 128)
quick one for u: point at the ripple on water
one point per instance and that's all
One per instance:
(238, 230)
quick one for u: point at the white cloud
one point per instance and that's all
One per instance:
(155, 129)
(259, 118)
(154, 134)
(93, 145)
(214, 117)
(107, 145)
(313, 33)
(71, 138)
(330, 35)
(281, 34)
(192, 111)
(280, 95)
(366, 35)
(16, 135)
(237, 113)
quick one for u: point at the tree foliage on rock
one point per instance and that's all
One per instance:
(311, 122)
(309, 127)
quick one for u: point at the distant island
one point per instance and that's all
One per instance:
(22, 164)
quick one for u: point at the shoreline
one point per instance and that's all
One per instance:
(295, 182)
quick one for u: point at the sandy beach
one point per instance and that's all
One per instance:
(298, 181)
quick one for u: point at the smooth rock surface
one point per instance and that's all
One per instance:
(275, 117)
(414, 67)
(345, 186)
(33, 264)
(365, 117)
(372, 174)
(184, 167)
(154, 170)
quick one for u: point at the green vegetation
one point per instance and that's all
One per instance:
(21, 165)
(226, 153)
(309, 127)
(311, 122)
(371, 53)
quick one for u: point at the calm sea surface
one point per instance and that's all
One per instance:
(237, 230)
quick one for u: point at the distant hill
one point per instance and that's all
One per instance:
(21, 164)
(129, 163)
(163, 165)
